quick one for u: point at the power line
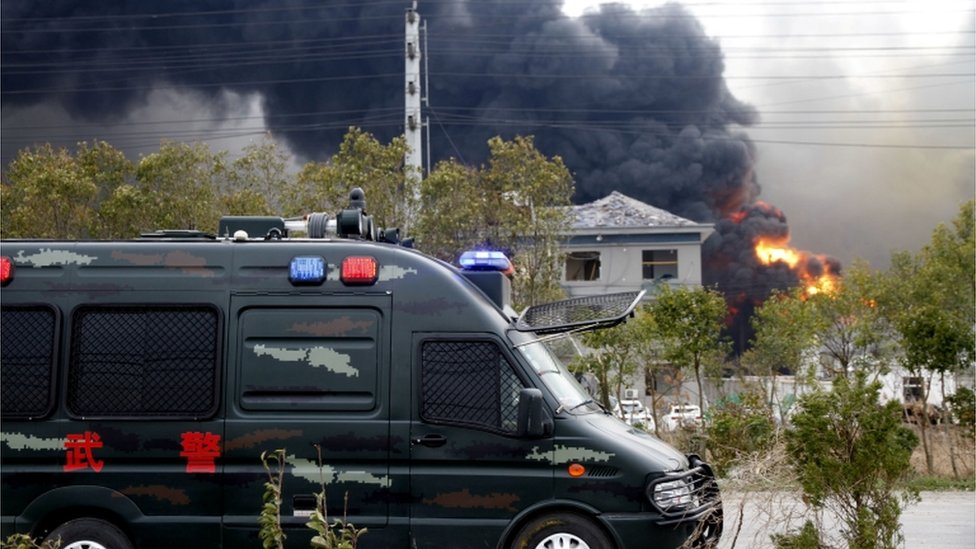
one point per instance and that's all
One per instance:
(449, 110)
(397, 17)
(554, 76)
(249, 83)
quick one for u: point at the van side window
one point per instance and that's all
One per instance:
(322, 358)
(143, 361)
(469, 383)
(27, 355)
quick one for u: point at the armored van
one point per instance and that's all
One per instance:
(143, 379)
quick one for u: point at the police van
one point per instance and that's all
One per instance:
(143, 379)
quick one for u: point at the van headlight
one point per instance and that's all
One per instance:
(673, 495)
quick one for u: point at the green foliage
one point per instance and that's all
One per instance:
(690, 322)
(929, 298)
(179, 183)
(851, 455)
(786, 327)
(963, 406)
(52, 193)
(253, 184)
(451, 214)
(853, 333)
(269, 520)
(614, 359)
(926, 483)
(739, 427)
(362, 162)
(517, 204)
(534, 192)
(23, 541)
(341, 534)
(806, 537)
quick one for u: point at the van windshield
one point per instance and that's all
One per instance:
(558, 379)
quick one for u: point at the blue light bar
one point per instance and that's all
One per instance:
(306, 270)
(485, 260)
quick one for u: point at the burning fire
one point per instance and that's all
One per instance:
(814, 271)
(770, 239)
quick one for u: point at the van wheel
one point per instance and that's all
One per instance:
(561, 531)
(87, 533)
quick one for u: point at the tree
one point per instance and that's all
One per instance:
(536, 192)
(853, 333)
(362, 162)
(851, 454)
(254, 183)
(690, 325)
(648, 357)
(449, 218)
(930, 300)
(786, 328)
(52, 193)
(614, 358)
(178, 187)
(517, 204)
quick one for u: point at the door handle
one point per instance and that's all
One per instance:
(430, 441)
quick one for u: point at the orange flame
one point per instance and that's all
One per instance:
(770, 251)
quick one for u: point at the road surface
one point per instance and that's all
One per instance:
(943, 520)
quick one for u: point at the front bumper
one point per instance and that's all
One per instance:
(703, 514)
(698, 525)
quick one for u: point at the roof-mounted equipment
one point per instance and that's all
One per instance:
(352, 223)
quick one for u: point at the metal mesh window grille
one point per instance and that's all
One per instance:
(27, 356)
(575, 312)
(143, 361)
(469, 383)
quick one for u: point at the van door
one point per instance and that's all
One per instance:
(470, 473)
(310, 373)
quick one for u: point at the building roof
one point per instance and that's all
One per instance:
(618, 210)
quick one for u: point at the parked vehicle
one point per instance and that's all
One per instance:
(143, 379)
(682, 416)
(634, 412)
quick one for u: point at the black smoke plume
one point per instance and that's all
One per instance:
(632, 101)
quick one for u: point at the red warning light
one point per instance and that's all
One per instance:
(359, 270)
(6, 270)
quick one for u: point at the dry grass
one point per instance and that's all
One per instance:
(948, 443)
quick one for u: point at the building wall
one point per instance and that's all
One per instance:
(621, 262)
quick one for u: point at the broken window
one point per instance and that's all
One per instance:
(582, 266)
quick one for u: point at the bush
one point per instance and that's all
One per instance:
(805, 538)
(852, 455)
(739, 427)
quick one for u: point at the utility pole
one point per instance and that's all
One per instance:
(412, 125)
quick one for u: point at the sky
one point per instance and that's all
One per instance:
(865, 150)
(856, 120)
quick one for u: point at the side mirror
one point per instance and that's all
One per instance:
(533, 422)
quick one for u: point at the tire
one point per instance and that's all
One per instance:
(88, 533)
(561, 531)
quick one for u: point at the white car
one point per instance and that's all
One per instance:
(634, 412)
(683, 416)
